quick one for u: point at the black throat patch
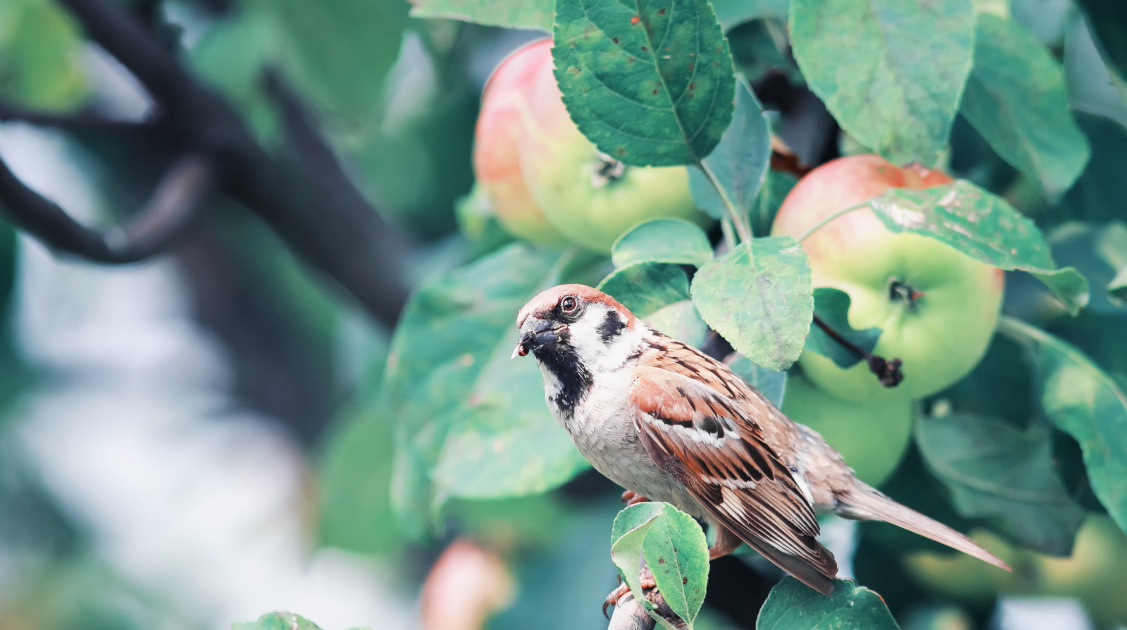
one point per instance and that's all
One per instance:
(575, 381)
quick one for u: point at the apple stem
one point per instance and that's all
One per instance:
(821, 224)
(888, 372)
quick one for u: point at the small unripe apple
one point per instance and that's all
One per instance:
(872, 437)
(1095, 573)
(588, 196)
(505, 105)
(936, 307)
(963, 578)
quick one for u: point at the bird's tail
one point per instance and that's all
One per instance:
(866, 503)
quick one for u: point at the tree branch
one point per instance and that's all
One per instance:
(163, 218)
(314, 208)
(71, 120)
(630, 615)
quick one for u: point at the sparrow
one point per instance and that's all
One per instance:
(669, 423)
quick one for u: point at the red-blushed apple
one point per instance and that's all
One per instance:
(936, 307)
(496, 160)
(871, 436)
(467, 585)
(591, 198)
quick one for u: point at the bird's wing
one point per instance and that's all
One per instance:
(712, 444)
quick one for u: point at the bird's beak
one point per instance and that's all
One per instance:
(535, 334)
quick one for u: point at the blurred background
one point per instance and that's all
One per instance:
(192, 423)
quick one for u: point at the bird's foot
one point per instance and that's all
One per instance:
(645, 576)
(633, 498)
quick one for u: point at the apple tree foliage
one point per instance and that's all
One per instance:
(980, 89)
(1026, 107)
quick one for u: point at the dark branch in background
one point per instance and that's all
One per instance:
(888, 372)
(72, 120)
(170, 210)
(304, 197)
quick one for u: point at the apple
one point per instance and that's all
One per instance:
(465, 587)
(936, 307)
(496, 160)
(590, 197)
(1095, 573)
(871, 436)
(963, 578)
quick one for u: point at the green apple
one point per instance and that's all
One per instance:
(1095, 573)
(961, 577)
(871, 436)
(936, 307)
(589, 197)
(496, 159)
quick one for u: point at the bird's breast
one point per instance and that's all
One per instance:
(603, 430)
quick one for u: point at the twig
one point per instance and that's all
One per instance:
(888, 372)
(163, 218)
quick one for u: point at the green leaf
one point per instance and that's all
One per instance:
(890, 71)
(982, 226)
(760, 298)
(449, 372)
(732, 13)
(531, 14)
(650, 84)
(1016, 99)
(739, 163)
(342, 73)
(646, 287)
(672, 545)
(40, 55)
(480, 460)
(659, 294)
(1094, 86)
(1117, 288)
(793, 605)
(1109, 21)
(1099, 251)
(1086, 403)
(994, 470)
(770, 383)
(832, 306)
(277, 621)
(662, 241)
(681, 321)
(354, 483)
(775, 189)
(677, 553)
(628, 535)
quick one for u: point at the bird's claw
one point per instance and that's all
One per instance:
(633, 498)
(645, 576)
(618, 593)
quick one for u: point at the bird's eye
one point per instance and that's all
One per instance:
(569, 304)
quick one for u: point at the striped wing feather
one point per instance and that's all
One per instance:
(699, 425)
